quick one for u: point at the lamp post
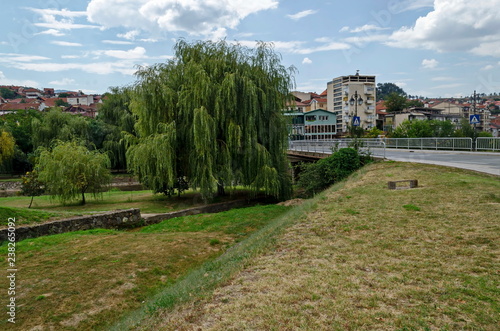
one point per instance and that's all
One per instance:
(356, 100)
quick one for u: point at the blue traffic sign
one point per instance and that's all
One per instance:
(356, 121)
(474, 119)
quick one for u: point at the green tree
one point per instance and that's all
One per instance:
(414, 103)
(423, 129)
(386, 89)
(63, 95)
(7, 93)
(115, 112)
(57, 125)
(61, 103)
(212, 117)
(395, 102)
(70, 170)
(7, 145)
(31, 186)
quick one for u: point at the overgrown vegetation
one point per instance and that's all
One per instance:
(89, 279)
(315, 177)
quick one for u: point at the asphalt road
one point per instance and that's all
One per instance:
(478, 161)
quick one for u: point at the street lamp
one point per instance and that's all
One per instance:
(356, 100)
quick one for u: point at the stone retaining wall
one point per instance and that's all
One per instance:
(130, 218)
(111, 220)
(213, 208)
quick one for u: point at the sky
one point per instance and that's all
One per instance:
(430, 48)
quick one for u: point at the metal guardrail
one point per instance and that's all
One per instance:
(488, 144)
(430, 143)
(375, 147)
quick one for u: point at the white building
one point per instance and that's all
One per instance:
(350, 96)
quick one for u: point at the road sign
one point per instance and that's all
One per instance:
(356, 121)
(475, 119)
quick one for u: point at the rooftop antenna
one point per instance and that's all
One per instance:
(357, 72)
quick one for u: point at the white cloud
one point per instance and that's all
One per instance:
(65, 43)
(62, 82)
(102, 68)
(302, 14)
(52, 32)
(49, 19)
(442, 79)
(132, 54)
(488, 67)
(117, 42)
(13, 57)
(16, 82)
(429, 63)
(454, 25)
(364, 28)
(297, 47)
(449, 86)
(407, 5)
(130, 35)
(196, 17)
(401, 84)
(70, 56)
(307, 61)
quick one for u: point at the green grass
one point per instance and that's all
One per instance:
(89, 279)
(26, 216)
(112, 200)
(365, 263)
(235, 221)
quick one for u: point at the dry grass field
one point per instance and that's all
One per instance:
(362, 257)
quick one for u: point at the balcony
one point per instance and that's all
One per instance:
(368, 111)
(369, 90)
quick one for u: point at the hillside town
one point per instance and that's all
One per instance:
(326, 115)
(22, 98)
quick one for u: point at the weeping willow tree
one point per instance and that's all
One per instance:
(57, 125)
(116, 114)
(212, 117)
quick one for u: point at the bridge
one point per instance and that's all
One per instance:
(482, 155)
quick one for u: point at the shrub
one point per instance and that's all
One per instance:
(315, 177)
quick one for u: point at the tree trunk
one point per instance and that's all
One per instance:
(83, 197)
(31, 201)
(220, 189)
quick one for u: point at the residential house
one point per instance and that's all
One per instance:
(318, 124)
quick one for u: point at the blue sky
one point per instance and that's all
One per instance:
(434, 48)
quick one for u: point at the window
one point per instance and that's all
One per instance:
(310, 118)
(323, 118)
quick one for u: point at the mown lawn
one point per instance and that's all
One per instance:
(89, 279)
(363, 257)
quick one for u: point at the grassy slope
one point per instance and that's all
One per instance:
(88, 279)
(366, 258)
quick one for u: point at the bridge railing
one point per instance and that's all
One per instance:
(375, 147)
(453, 144)
(488, 144)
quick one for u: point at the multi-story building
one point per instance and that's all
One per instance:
(350, 96)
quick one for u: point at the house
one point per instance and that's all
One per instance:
(318, 124)
(84, 100)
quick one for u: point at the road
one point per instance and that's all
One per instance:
(482, 162)
(477, 161)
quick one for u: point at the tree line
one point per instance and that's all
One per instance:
(208, 119)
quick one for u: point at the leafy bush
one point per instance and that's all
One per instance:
(315, 177)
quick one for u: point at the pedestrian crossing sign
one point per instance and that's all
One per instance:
(474, 119)
(355, 121)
